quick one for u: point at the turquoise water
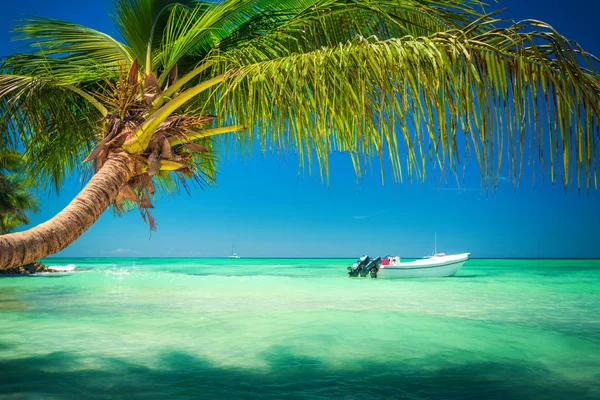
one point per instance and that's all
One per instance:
(299, 328)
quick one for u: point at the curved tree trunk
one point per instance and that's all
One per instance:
(21, 248)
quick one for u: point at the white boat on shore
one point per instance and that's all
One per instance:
(438, 265)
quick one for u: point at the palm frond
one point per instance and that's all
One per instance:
(55, 125)
(10, 161)
(314, 24)
(16, 194)
(78, 43)
(254, 31)
(141, 23)
(499, 88)
(194, 32)
(59, 72)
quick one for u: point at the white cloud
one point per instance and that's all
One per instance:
(120, 251)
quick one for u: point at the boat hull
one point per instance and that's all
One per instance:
(429, 268)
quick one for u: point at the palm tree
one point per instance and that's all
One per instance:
(425, 82)
(16, 196)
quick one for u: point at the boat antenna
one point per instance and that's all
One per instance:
(435, 243)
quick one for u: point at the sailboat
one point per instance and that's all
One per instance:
(233, 255)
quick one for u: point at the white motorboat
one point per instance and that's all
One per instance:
(438, 265)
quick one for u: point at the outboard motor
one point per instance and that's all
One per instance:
(365, 266)
(374, 272)
(360, 264)
(373, 265)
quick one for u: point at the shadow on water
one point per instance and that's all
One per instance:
(181, 375)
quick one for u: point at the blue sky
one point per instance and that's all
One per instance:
(272, 210)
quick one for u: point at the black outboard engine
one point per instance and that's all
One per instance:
(371, 266)
(360, 264)
(365, 266)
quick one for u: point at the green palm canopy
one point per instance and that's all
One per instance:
(417, 82)
(16, 196)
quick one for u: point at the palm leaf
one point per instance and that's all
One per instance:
(55, 125)
(367, 95)
(77, 43)
(16, 194)
(141, 23)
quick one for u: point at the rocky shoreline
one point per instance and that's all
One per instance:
(33, 268)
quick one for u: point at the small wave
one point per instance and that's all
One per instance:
(63, 268)
(117, 272)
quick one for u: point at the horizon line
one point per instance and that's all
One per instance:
(316, 258)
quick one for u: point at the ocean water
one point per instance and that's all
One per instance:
(300, 328)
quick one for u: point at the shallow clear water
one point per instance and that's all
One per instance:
(299, 328)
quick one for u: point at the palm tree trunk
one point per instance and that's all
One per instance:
(22, 248)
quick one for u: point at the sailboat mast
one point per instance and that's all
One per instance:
(435, 243)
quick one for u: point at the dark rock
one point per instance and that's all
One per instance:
(33, 268)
